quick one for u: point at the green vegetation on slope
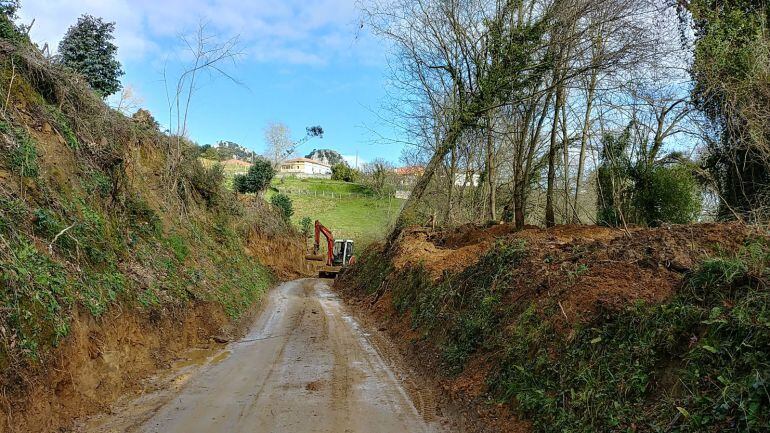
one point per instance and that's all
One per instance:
(350, 210)
(92, 218)
(697, 362)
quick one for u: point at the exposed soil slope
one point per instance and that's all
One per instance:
(587, 268)
(525, 316)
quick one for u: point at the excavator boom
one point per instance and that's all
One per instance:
(319, 230)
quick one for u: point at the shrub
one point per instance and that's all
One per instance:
(207, 181)
(257, 179)
(667, 195)
(342, 171)
(283, 202)
(306, 226)
(643, 192)
(239, 183)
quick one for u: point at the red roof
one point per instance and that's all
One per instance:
(410, 170)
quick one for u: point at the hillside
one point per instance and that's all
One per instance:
(350, 210)
(582, 328)
(118, 249)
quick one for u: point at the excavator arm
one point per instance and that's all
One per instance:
(320, 229)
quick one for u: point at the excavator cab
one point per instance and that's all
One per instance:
(342, 252)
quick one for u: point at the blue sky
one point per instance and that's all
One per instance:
(304, 63)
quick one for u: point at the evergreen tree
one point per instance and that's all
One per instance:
(8, 13)
(730, 70)
(257, 179)
(9, 8)
(342, 171)
(88, 49)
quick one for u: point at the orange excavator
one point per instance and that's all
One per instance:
(339, 252)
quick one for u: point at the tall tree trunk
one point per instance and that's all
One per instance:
(447, 143)
(491, 171)
(584, 141)
(565, 157)
(550, 217)
(451, 185)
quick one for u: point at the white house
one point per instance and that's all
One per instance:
(302, 167)
(467, 179)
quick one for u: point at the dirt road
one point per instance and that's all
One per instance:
(304, 366)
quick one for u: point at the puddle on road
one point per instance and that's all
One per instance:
(197, 357)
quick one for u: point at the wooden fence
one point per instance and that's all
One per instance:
(330, 194)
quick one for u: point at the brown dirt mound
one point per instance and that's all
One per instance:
(449, 252)
(284, 255)
(416, 249)
(583, 268)
(587, 275)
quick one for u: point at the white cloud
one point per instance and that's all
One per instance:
(290, 31)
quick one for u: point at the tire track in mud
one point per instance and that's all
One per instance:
(305, 366)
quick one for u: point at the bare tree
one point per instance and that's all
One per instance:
(209, 55)
(127, 101)
(513, 90)
(278, 142)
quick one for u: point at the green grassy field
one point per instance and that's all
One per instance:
(350, 210)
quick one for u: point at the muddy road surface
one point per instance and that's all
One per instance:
(304, 366)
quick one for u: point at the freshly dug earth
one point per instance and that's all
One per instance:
(103, 359)
(284, 255)
(573, 276)
(586, 268)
